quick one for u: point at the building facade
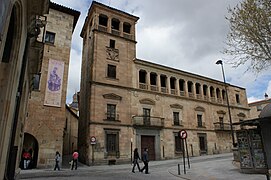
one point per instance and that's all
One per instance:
(71, 127)
(21, 23)
(257, 106)
(127, 102)
(45, 123)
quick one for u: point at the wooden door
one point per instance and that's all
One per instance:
(148, 142)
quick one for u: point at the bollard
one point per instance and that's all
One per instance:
(179, 172)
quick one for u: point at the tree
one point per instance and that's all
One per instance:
(249, 39)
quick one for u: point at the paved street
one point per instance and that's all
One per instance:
(203, 168)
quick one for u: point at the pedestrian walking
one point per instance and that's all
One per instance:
(135, 161)
(75, 156)
(145, 159)
(27, 159)
(57, 159)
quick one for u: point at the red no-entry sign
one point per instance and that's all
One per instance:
(93, 140)
(183, 134)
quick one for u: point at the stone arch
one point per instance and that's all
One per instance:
(32, 146)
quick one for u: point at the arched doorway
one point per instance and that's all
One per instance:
(30, 145)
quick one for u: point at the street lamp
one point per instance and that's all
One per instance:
(227, 98)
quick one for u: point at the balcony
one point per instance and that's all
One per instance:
(190, 94)
(198, 96)
(148, 121)
(182, 93)
(212, 99)
(111, 117)
(173, 91)
(154, 88)
(222, 126)
(102, 28)
(164, 90)
(219, 100)
(115, 32)
(143, 86)
(128, 36)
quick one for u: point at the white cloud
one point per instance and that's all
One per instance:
(186, 35)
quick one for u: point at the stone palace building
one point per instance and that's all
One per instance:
(126, 102)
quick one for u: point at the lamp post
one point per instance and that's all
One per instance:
(227, 98)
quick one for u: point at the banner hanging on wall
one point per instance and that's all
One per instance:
(54, 82)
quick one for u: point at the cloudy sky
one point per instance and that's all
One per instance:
(184, 34)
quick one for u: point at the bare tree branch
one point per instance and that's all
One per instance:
(249, 39)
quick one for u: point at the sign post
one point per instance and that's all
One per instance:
(183, 136)
(92, 142)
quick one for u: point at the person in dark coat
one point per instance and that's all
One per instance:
(135, 161)
(145, 159)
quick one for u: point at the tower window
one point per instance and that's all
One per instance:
(50, 37)
(237, 97)
(103, 20)
(112, 43)
(199, 118)
(176, 120)
(111, 71)
(115, 24)
(127, 27)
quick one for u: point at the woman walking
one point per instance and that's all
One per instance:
(57, 158)
(135, 161)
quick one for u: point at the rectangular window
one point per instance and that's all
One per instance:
(111, 71)
(199, 118)
(237, 98)
(176, 120)
(36, 82)
(111, 112)
(178, 143)
(112, 143)
(50, 37)
(221, 123)
(146, 116)
(112, 43)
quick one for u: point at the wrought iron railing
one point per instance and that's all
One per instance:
(148, 121)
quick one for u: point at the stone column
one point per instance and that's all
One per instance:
(158, 83)
(121, 28)
(177, 87)
(109, 24)
(148, 80)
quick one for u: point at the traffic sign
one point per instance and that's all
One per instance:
(183, 134)
(93, 140)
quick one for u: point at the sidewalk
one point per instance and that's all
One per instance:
(202, 167)
(213, 167)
